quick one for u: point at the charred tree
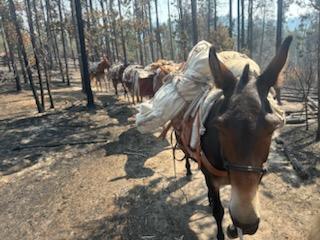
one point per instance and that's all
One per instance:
(230, 19)
(318, 82)
(114, 29)
(63, 39)
(151, 32)
(242, 25)
(44, 55)
(262, 34)
(12, 57)
(49, 43)
(55, 42)
(209, 18)
(158, 35)
(35, 49)
(122, 36)
(183, 37)
(170, 32)
(194, 22)
(84, 59)
(278, 41)
(105, 26)
(238, 26)
(250, 27)
(25, 58)
(6, 49)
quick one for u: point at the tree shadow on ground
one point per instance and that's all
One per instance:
(138, 148)
(147, 212)
(116, 109)
(27, 140)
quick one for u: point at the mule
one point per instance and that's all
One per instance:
(237, 140)
(97, 72)
(115, 74)
(128, 79)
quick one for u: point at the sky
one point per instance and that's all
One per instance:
(223, 9)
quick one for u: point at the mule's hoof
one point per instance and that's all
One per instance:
(232, 232)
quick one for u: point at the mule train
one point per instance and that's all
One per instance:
(135, 79)
(227, 128)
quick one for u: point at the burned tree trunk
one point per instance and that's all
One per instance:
(44, 55)
(114, 29)
(278, 41)
(12, 57)
(194, 22)
(55, 43)
(170, 32)
(158, 30)
(84, 59)
(49, 38)
(122, 36)
(230, 19)
(63, 42)
(151, 32)
(6, 49)
(250, 27)
(25, 58)
(318, 83)
(35, 50)
(242, 25)
(105, 26)
(262, 34)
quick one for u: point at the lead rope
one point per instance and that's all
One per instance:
(240, 234)
(174, 147)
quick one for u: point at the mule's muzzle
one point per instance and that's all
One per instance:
(249, 229)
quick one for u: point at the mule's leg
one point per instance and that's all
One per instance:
(99, 83)
(124, 88)
(114, 82)
(210, 189)
(189, 173)
(218, 212)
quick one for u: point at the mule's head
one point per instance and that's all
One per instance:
(104, 61)
(245, 125)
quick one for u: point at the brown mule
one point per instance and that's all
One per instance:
(236, 143)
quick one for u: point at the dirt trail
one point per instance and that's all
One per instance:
(122, 187)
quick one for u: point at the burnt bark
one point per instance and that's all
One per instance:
(122, 36)
(170, 32)
(158, 35)
(43, 55)
(6, 39)
(318, 82)
(194, 22)
(230, 19)
(53, 35)
(278, 41)
(24, 54)
(84, 59)
(63, 39)
(106, 33)
(35, 49)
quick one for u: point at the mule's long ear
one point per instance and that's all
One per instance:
(270, 76)
(223, 77)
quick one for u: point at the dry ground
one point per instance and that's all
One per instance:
(77, 174)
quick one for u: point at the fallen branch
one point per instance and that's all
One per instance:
(58, 144)
(297, 166)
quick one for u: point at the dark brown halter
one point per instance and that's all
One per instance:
(242, 168)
